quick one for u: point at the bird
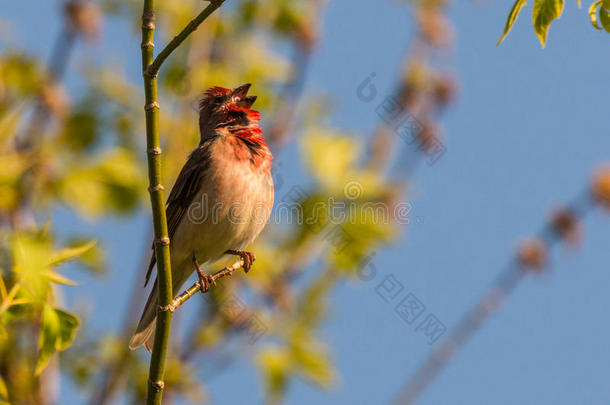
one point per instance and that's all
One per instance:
(222, 197)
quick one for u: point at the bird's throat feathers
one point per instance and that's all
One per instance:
(248, 143)
(244, 136)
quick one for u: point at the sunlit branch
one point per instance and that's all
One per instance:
(150, 69)
(204, 288)
(154, 67)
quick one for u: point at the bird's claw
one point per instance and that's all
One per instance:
(247, 257)
(205, 280)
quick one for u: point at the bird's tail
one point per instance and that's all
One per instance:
(145, 332)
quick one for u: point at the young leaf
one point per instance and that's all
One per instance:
(544, 12)
(593, 13)
(312, 361)
(331, 156)
(93, 259)
(57, 278)
(3, 390)
(58, 331)
(48, 337)
(8, 123)
(68, 323)
(512, 17)
(3, 292)
(30, 255)
(274, 363)
(604, 15)
(113, 183)
(69, 253)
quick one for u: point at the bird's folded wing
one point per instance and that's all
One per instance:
(184, 191)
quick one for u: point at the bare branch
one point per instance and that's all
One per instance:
(197, 286)
(153, 69)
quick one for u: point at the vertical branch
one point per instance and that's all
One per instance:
(150, 69)
(164, 318)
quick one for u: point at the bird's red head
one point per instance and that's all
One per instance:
(226, 107)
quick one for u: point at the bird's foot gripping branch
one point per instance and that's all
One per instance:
(203, 285)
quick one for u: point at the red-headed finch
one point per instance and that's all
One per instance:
(222, 197)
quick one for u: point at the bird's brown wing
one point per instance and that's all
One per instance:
(185, 189)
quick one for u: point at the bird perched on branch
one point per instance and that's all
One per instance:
(222, 197)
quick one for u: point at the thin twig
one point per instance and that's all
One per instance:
(197, 286)
(153, 69)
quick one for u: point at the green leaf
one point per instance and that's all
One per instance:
(93, 259)
(69, 253)
(48, 337)
(9, 122)
(331, 156)
(68, 323)
(17, 310)
(114, 183)
(58, 331)
(512, 17)
(30, 255)
(21, 73)
(593, 14)
(274, 363)
(543, 14)
(3, 291)
(312, 361)
(3, 390)
(81, 130)
(57, 278)
(33, 260)
(604, 15)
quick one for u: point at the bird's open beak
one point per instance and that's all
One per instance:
(247, 102)
(241, 94)
(241, 91)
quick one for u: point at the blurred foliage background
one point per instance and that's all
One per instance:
(85, 152)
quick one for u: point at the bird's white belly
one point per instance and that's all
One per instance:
(230, 210)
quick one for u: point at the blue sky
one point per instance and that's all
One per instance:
(526, 131)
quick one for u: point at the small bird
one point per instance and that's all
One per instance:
(222, 197)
